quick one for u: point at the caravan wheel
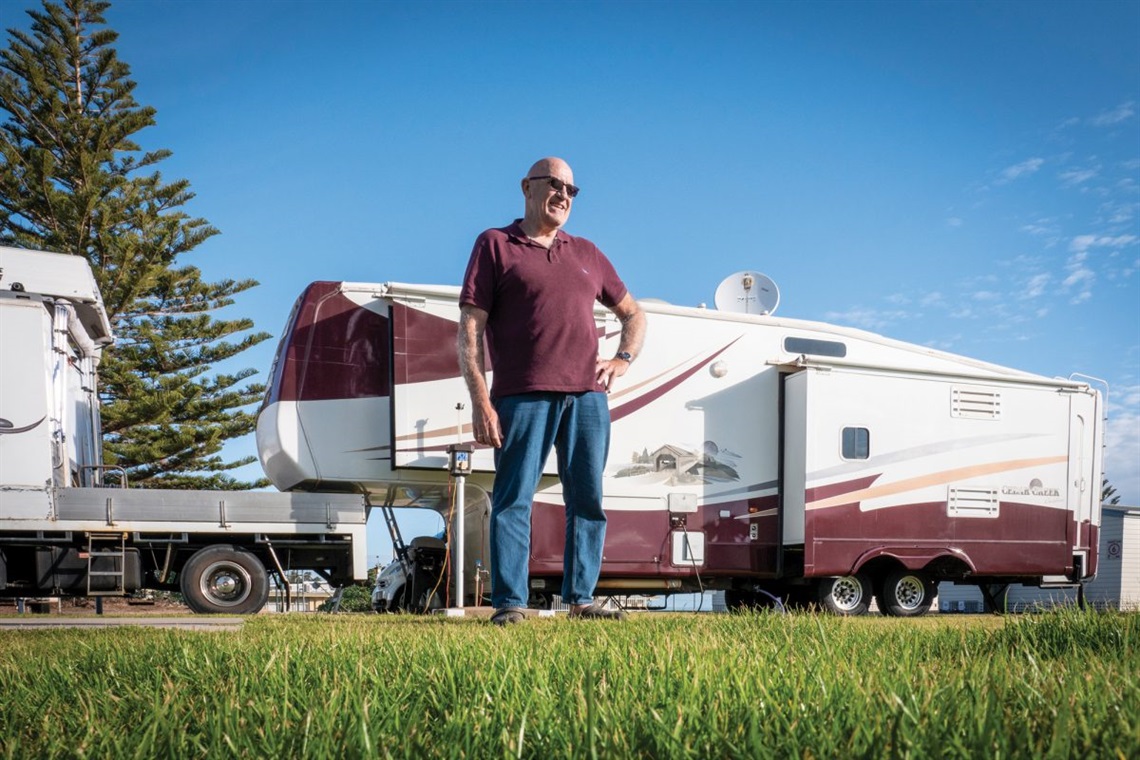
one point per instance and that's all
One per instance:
(849, 595)
(906, 593)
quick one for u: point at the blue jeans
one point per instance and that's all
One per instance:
(578, 426)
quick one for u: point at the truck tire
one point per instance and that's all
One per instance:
(224, 580)
(906, 593)
(848, 595)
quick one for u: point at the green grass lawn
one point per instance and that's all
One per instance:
(1061, 684)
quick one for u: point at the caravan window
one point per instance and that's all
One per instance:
(856, 443)
(815, 347)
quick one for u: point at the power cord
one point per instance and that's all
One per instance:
(693, 561)
(451, 498)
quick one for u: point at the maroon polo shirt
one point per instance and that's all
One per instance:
(540, 308)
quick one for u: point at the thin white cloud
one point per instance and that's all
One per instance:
(1035, 288)
(1040, 228)
(944, 344)
(932, 299)
(1077, 176)
(866, 318)
(1025, 168)
(1080, 278)
(1072, 121)
(1114, 116)
(1120, 213)
(1082, 243)
(953, 221)
(987, 295)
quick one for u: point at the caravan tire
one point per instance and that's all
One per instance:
(848, 595)
(224, 580)
(906, 593)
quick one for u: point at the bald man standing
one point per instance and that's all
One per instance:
(532, 288)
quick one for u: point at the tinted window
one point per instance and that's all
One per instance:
(815, 347)
(856, 443)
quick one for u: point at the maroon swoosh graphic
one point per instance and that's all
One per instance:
(648, 398)
(438, 447)
(6, 427)
(835, 489)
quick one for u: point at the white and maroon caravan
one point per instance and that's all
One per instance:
(750, 453)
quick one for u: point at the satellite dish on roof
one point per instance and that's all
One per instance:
(747, 293)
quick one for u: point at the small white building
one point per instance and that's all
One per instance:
(305, 596)
(1117, 583)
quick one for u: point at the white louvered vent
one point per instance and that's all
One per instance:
(975, 403)
(972, 502)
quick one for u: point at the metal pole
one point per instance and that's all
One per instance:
(457, 541)
(458, 466)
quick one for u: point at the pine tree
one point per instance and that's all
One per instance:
(72, 180)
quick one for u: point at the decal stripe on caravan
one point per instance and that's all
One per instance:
(933, 479)
(647, 398)
(615, 414)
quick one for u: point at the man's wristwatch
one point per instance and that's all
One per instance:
(625, 356)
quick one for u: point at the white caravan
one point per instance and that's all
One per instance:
(764, 456)
(67, 527)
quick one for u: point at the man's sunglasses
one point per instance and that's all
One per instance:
(558, 185)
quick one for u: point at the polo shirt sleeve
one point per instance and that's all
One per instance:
(479, 281)
(613, 289)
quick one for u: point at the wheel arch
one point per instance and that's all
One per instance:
(940, 562)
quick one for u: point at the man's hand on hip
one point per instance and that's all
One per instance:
(609, 370)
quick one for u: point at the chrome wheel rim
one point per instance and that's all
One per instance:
(226, 584)
(910, 592)
(847, 593)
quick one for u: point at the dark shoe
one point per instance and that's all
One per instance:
(597, 612)
(508, 616)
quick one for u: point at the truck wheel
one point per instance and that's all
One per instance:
(849, 595)
(221, 579)
(906, 593)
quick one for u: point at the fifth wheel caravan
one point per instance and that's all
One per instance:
(751, 453)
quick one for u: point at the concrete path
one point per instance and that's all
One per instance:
(183, 623)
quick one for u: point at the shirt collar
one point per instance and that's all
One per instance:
(515, 232)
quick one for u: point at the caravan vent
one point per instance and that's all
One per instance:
(972, 502)
(975, 403)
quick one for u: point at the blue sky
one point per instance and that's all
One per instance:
(960, 175)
